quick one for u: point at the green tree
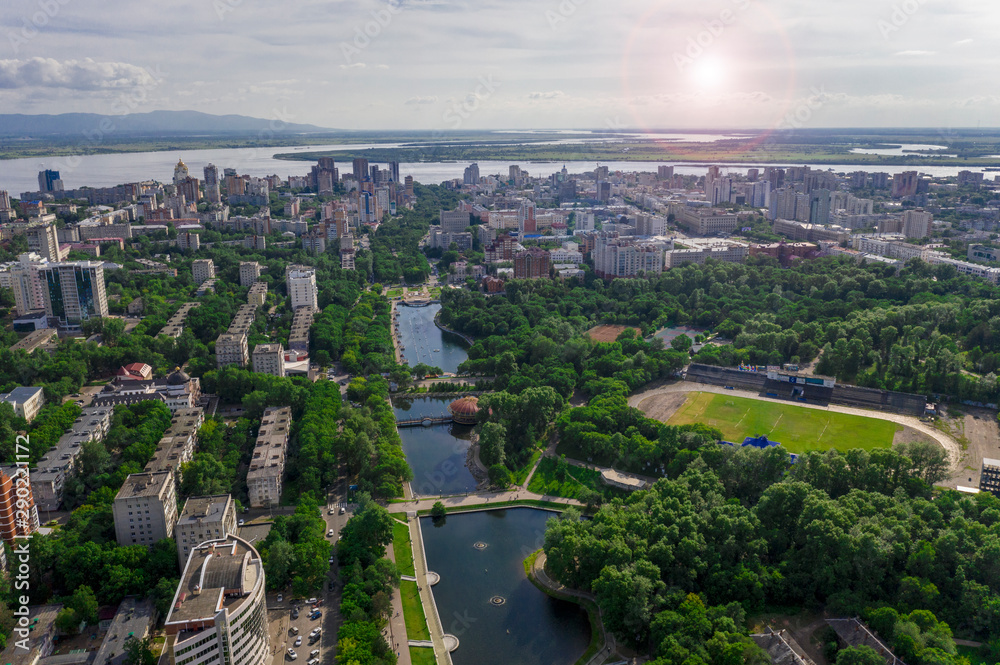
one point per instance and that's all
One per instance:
(499, 476)
(861, 655)
(139, 652)
(438, 510)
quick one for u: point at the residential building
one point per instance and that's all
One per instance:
(145, 508)
(443, 239)
(41, 621)
(730, 253)
(298, 336)
(18, 514)
(471, 175)
(905, 184)
(49, 181)
(989, 477)
(454, 221)
(804, 232)
(26, 401)
(624, 257)
(178, 443)
(203, 518)
(219, 614)
(531, 264)
(984, 254)
(258, 294)
(134, 620)
(232, 350)
(249, 273)
(74, 292)
(28, 283)
(212, 188)
(49, 476)
(175, 324)
(502, 249)
(314, 243)
(42, 240)
(301, 286)
(187, 241)
(268, 462)
(917, 223)
(37, 339)
(203, 270)
(705, 221)
(269, 359)
(526, 222)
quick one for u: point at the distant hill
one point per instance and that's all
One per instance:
(177, 123)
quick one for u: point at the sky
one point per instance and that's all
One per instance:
(511, 64)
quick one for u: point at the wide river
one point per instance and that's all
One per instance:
(21, 175)
(485, 599)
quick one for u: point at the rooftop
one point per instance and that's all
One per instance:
(133, 620)
(20, 394)
(144, 484)
(218, 575)
(209, 508)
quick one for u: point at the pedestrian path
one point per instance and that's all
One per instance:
(396, 629)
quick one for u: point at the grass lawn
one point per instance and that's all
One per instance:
(798, 429)
(545, 481)
(518, 476)
(402, 549)
(394, 293)
(413, 612)
(422, 656)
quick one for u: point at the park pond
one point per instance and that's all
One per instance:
(438, 454)
(485, 599)
(424, 342)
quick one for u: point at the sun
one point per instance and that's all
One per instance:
(709, 73)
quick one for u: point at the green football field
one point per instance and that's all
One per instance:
(797, 428)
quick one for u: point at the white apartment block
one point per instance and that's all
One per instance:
(702, 221)
(203, 270)
(269, 359)
(145, 509)
(203, 518)
(232, 349)
(249, 273)
(302, 291)
(268, 462)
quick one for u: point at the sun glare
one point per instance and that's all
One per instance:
(708, 73)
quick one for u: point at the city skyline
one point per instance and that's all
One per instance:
(440, 64)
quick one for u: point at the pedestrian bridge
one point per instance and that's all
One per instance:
(423, 422)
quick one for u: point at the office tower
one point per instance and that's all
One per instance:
(74, 292)
(18, 513)
(219, 613)
(471, 176)
(819, 207)
(4, 200)
(180, 172)
(301, 287)
(212, 191)
(713, 174)
(203, 270)
(665, 172)
(603, 191)
(360, 169)
(753, 175)
(394, 172)
(49, 181)
(409, 186)
(145, 508)
(602, 173)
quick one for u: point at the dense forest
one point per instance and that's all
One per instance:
(924, 330)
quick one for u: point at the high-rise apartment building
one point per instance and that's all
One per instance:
(269, 359)
(74, 292)
(249, 273)
(28, 284)
(145, 509)
(819, 207)
(360, 169)
(190, 189)
(454, 221)
(49, 181)
(905, 184)
(212, 185)
(232, 349)
(219, 613)
(531, 264)
(471, 176)
(301, 287)
(526, 222)
(43, 240)
(203, 270)
(203, 518)
(917, 223)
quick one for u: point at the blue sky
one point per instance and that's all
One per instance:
(447, 64)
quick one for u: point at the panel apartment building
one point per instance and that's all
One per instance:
(268, 462)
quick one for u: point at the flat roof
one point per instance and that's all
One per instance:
(41, 619)
(133, 620)
(210, 508)
(214, 569)
(991, 462)
(148, 483)
(21, 394)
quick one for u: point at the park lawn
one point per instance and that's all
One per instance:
(518, 476)
(394, 293)
(545, 481)
(402, 548)
(422, 656)
(413, 612)
(797, 428)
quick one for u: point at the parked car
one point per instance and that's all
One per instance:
(241, 523)
(314, 653)
(292, 655)
(310, 601)
(343, 510)
(280, 597)
(298, 641)
(314, 661)
(295, 630)
(329, 534)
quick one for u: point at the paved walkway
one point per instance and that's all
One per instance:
(441, 654)
(478, 500)
(951, 446)
(609, 647)
(396, 630)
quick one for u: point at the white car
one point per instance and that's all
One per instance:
(311, 601)
(314, 661)
(292, 655)
(329, 534)
(280, 597)
(298, 641)
(314, 653)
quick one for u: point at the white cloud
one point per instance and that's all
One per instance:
(418, 101)
(911, 54)
(356, 65)
(554, 94)
(84, 74)
(963, 42)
